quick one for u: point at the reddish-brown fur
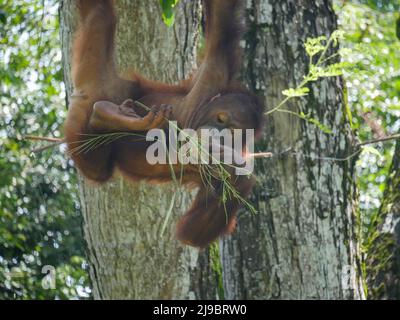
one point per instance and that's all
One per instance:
(99, 105)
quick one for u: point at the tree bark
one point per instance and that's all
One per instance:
(130, 255)
(383, 262)
(301, 244)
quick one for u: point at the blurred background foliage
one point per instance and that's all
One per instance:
(40, 222)
(41, 244)
(373, 91)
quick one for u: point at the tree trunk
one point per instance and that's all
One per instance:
(131, 255)
(301, 244)
(383, 262)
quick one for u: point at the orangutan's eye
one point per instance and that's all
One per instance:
(222, 118)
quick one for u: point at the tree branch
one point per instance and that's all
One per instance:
(387, 138)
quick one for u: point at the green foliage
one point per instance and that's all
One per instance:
(318, 67)
(373, 90)
(40, 222)
(382, 5)
(370, 64)
(299, 92)
(41, 245)
(168, 14)
(314, 45)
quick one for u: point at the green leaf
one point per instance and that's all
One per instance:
(336, 36)
(296, 92)
(314, 45)
(335, 69)
(168, 14)
(314, 73)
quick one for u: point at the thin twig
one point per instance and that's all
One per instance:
(260, 155)
(387, 138)
(328, 158)
(54, 140)
(358, 149)
(49, 146)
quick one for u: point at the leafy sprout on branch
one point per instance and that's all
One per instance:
(317, 51)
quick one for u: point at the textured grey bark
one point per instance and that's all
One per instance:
(130, 257)
(302, 243)
(383, 256)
